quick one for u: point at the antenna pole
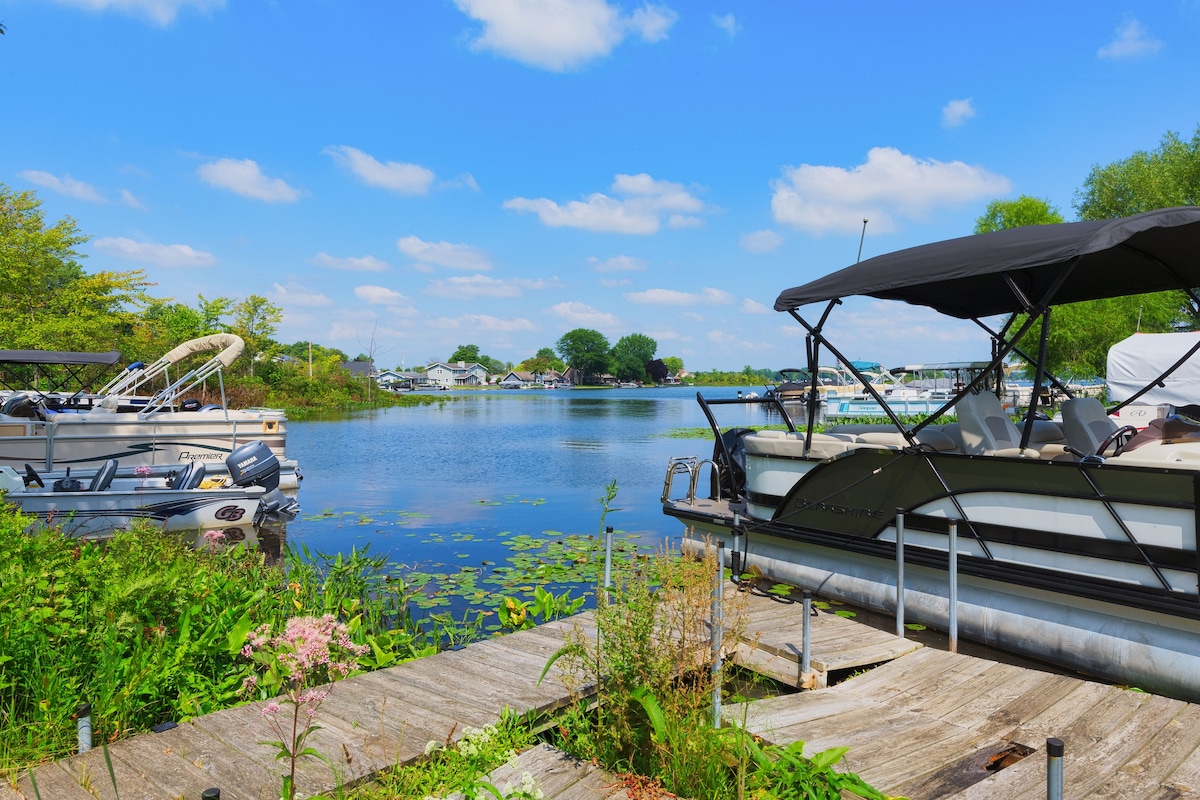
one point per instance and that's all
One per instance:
(860, 240)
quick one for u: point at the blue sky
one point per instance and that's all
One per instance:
(431, 173)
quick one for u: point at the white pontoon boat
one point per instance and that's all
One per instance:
(1073, 544)
(122, 422)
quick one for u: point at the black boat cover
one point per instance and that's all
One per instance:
(965, 277)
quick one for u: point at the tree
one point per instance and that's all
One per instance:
(467, 353)
(586, 350)
(1166, 177)
(630, 355)
(673, 363)
(1025, 210)
(255, 319)
(47, 301)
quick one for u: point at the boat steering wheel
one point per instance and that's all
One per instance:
(1125, 431)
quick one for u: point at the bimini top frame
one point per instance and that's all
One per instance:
(1016, 271)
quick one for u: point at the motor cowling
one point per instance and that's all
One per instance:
(24, 406)
(253, 464)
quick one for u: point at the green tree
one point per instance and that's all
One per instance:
(1025, 210)
(673, 363)
(586, 350)
(47, 301)
(1162, 178)
(630, 355)
(467, 353)
(256, 319)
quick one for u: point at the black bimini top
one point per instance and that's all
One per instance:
(58, 357)
(970, 277)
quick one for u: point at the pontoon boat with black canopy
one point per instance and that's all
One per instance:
(1072, 544)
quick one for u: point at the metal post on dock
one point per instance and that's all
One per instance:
(608, 534)
(735, 555)
(718, 631)
(952, 568)
(83, 726)
(806, 638)
(1054, 769)
(900, 573)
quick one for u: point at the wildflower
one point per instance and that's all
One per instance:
(432, 746)
(214, 538)
(270, 709)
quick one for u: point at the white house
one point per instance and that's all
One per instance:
(457, 374)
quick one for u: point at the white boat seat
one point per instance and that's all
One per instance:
(986, 430)
(930, 437)
(1088, 425)
(778, 443)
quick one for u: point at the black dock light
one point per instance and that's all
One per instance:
(210, 794)
(735, 555)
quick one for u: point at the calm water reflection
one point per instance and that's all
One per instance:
(443, 485)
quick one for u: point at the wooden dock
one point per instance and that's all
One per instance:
(919, 722)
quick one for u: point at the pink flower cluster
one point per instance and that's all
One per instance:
(307, 647)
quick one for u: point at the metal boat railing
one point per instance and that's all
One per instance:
(685, 465)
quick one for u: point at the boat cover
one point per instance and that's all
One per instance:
(965, 277)
(58, 357)
(232, 344)
(1138, 360)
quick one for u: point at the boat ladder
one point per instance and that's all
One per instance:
(685, 465)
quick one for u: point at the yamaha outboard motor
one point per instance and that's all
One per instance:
(254, 464)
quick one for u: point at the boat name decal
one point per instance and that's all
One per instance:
(229, 513)
(833, 508)
(187, 455)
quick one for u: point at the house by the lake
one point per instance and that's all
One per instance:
(459, 373)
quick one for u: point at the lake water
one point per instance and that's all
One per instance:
(441, 488)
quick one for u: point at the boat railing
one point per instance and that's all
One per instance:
(685, 465)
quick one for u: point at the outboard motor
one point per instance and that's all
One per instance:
(254, 464)
(23, 406)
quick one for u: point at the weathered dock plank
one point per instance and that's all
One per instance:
(558, 776)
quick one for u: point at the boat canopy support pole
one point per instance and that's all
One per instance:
(1039, 373)
(814, 333)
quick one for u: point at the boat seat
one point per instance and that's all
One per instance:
(1088, 425)
(778, 443)
(951, 430)
(930, 437)
(190, 477)
(104, 476)
(1048, 439)
(986, 430)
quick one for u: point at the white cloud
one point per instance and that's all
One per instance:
(609, 283)
(890, 184)
(161, 255)
(380, 296)
(394, 175)
(245, 178)
(297, 295)
(645, 202)
(957, 112)
(765, 241)
(128, 198)
(673, 297)
(754, 307)
(1132, 40)
(559, 35)
(161, 12)
(483, 322)
(472, 286)
(727, 23)
(65, 185)
(579, 314)
(349, 263)
(444, 254)
(618, 264)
